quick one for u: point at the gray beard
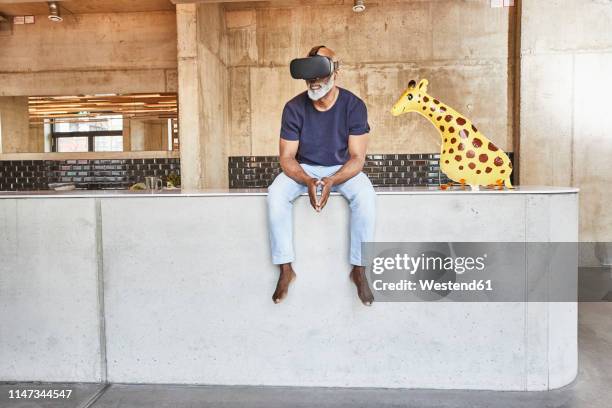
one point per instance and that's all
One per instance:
(321, 92)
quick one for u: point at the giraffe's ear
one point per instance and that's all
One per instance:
(411, 84)
(423, 85)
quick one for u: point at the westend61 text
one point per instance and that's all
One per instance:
(433, 285)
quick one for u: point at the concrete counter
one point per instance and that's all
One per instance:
(178, 290)
(262, 192)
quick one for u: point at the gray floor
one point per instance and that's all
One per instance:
(591, 389)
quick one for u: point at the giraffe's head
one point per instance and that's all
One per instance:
(411, 98)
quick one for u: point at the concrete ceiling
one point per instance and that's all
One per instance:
(20, 7)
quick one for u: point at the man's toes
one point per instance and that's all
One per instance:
(366, 298)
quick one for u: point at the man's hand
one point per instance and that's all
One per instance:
(312, 184)
(327, 183)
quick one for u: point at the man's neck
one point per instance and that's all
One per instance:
(328, 101)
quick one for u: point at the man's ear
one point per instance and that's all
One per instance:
(423, 85)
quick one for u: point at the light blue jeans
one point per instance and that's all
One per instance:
(284, 190)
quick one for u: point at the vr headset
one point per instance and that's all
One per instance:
(312, 67)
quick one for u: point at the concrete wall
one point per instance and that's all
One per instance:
(147, 134)
(91, 53)
(156, 135)
(137, 135)
(566, 60)
(15, 126)
(203, 96)
(462, 47)
(36, 136)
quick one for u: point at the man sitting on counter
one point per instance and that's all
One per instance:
(323, 142)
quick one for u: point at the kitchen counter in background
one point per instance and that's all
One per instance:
(175, 287)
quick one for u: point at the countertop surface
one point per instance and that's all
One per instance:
(263, 191)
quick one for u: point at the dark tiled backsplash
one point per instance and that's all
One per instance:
(244, 171)
(91, 174)
(382, 169)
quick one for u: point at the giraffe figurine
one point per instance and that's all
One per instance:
(467, 156)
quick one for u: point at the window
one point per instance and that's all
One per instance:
(108, 143)
(71, 144)
(102, 134)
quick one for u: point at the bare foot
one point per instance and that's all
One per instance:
(363, 289)
(284, 279)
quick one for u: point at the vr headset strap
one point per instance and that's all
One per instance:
(315, 51)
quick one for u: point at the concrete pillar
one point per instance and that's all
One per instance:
(565, 88)
(127, 135)
(15, 126)
(203, 101)
(137, 135)
(36, 136)
(188, 96)
(154, 135)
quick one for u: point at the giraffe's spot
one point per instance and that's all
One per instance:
(483, 158)
(502, 171)
(433, 108)
(426, 99)
(446, 161)
(451, 150)
(488, 170)
(461, 146)
(472, 166)
(437, 102)
(458, 158)
(477, 142)
(460, 121)
(474, 128)
(442, 128)
(460, 167)
(478, 171)
(470, 154)
(445, 140)
(448, 118)
(492, 147)
(442, 109)
(430, 115)
(443, 151)
(498, 161)
(464, 133)
(438, 118)
(453, 140)
(451, 129)
(424, 107)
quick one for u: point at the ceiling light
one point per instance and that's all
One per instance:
(54, 11)
(359, 6)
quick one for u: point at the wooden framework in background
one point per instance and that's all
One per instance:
(90, 107)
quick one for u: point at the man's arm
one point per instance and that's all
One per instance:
(288, 149)
(357, 146)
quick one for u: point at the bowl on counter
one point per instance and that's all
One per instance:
(62, 186)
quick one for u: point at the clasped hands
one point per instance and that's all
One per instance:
(318, 202)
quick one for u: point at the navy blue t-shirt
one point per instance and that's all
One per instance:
(324, 136)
